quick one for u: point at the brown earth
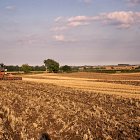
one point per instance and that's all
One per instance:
(68, 108)
(125, 88)
(105, 76)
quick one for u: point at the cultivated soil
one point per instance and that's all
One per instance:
(69, 108)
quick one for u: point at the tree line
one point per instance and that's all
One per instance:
(50, 65)
(24, 67)
(53, 66)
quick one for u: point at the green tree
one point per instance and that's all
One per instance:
(51, 65)
(39, 68)
(66, 68)
(26, 68)
(42, 68)
(12, 68)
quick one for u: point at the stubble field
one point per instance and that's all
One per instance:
(71, 107)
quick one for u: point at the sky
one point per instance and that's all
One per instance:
(72, 32)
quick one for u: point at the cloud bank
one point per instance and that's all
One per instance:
(118, 19)
(121, 19)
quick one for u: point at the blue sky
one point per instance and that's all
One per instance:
(73, 32)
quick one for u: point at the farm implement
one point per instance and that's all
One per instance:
(5, 76)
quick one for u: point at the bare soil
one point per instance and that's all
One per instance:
(27, 109)
(105, 76)
(125, 88)
(70, 107)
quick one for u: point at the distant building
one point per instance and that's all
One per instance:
(121, 67)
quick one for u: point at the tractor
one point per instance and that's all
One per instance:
(5, 76)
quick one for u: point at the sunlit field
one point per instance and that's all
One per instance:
(75, 106)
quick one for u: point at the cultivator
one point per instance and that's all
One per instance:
(4, 76)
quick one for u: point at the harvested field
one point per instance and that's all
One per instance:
(28, 108)
(125, 82)
(129, 88)
(70, 107)
(122, 78)
(105, 76)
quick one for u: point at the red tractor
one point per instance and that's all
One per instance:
(4, 76)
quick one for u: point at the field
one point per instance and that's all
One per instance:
(77, 106)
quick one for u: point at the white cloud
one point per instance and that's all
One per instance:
(121, 19)
(61, 28)
(58, 19)
(76, 23)
(62, 38)
(118, 19)
(79, 20)
(63, 23)
(59, 37)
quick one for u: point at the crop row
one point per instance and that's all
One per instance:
(28, 109)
